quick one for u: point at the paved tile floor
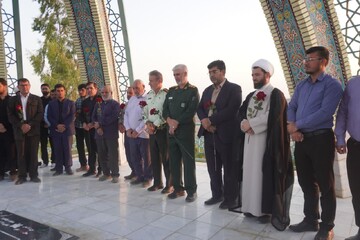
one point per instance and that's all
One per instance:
(94, 210)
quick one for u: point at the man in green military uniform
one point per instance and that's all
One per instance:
(179, 109)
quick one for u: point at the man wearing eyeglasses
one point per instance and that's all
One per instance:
(310, 122)
(216, 111)
(25, 112)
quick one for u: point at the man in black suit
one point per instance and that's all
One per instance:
(25, 112)
(61, 115)
(217, 110)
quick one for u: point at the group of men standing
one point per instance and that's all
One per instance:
(247, 144)
(251, 142)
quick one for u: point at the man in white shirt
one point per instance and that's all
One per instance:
(139, 138)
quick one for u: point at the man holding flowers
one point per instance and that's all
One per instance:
(156, 127)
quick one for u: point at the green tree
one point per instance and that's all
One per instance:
(55, 61)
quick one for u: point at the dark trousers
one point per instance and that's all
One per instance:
(27, 156)
(52, 157)
(63, 156)
(314, 158)
(80, 146)
(160, 156)
(7, 154)
(92, 150)
(44, 136)
(353, 170)
(219, 155)
(128, 152)
(108, 150)
(182, 150)
(140, 157)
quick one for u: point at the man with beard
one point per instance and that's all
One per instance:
(267, 167)
(79, 130)
(217, 111)
(129, 94)
(86, 119)
(44, 128)
(61, 115)
(179, 110)
(7, 144)
(310, 122)
(105, 117)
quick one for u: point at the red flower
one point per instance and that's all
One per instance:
(86, 109)
(153, 111)
(18, 107)
(142, 104)
(122, 106)
(207, 104)
(98, 100)
(260, 96)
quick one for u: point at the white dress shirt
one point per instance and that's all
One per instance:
(133, 118)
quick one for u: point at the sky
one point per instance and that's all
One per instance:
(164, 33)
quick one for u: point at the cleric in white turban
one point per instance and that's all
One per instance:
(265, 65)
(267, 171)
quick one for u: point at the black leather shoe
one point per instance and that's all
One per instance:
(136, 181)
(176, 194)
(35, 180)
(57, 174)
(249, 215)
(264, 219)
(227, 204)
(154, 188)
(69, 172)
(166, 190)
(89, 173)
(355, 237)
(213, 201)
(191, 197)
(324, 235)
(130, 176)
(304, 227)
(20, 181)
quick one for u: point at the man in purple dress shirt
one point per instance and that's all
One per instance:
(310, 122)
(348, 119)
(105, 117)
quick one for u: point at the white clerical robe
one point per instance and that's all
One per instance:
(254, 148)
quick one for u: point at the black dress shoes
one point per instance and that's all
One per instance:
(154, 188)
(176, 194)
(20, 181)
(213, 201)
(304, 227)
(249, 215)
(324, 235)
(69, 172)
(226, 204)
(191, 197)
(88, 173)
(57, 173)
(35, 180)
(130, 176)
(355, 237)
(166, 190)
